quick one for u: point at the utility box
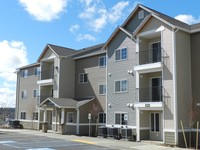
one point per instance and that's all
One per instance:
(102, 131)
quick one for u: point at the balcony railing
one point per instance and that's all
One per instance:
(150, 94)
(47, 74)
(149, 56)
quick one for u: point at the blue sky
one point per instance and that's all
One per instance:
(26, 26)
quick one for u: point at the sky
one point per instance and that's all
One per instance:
(26, 26)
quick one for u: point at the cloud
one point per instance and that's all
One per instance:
(116, 11)
(74, 28)
(85, 37)
(44, 10)
(14, 55)
(189, 19)
(97, 16)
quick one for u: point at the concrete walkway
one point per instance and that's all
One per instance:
(107, 142)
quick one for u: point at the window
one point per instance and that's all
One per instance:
(24, 73)
(121, 86)
(102, 117)
(23, 115)
(141, 14)
(83, 78)
(36, 93)
(121, 118)
(102, 61)
(35, 116)
(24, 94)
(155, 127)
(37, 71)
(102, 89)
(121, 54)
(70, 117)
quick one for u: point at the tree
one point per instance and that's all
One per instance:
(95, 109)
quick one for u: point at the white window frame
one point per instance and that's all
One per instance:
(121, 113)
(36, 93)
(104, 117)
(141, 14)
(120, 88)
(24, 117)
(120, 54)
(24, 73)
(37, 71)
(82, 82)
(70, 113)
(35, 115)
(104, 62)
(103, 90)
(24, 94)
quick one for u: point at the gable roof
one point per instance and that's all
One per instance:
(59, 51)
(66, 102)
(174, 23)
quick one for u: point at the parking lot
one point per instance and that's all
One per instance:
(12, 139)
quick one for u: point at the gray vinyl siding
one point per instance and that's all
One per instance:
(195, 61)
(67, 78)
(184, 87)
(118, 70)
(167, 73)
(135, 22)
(29, 84)
(96, 76)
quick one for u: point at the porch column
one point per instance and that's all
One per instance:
(45, 114)
(38, 119)
(77, 121)
(138, 124)
(63, 115)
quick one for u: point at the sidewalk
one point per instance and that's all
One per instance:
(107, 142)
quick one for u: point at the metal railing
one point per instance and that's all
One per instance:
(47, 74)
(150, 94)
(151, 56)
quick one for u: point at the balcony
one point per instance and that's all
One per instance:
(46, 77)
(149, 60)
(150, 97)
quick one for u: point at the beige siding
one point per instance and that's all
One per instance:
(48, 54)
(184, 87)
(67, 78)
(96, 76)
(169, 138)
(118, 71)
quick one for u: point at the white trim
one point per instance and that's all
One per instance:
(137, 46)
(137, 79)
(149, 105)
(46, 82)
(168, 130)
(103, 94)
(175, 85)
(146, 68)
(83, 78)
(137, 124)
(68, 117)
(118, 92)
(105, 61)
(106, 90)
(149, 32)
(24, 120)
(58, 77)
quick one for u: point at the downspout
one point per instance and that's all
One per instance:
(175, 86)
(77, 120)
(17, 95)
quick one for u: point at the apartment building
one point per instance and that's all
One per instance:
(144, 78)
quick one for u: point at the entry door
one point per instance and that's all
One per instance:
(50, 120)
(156, 52)
(156, 89)
(155, 126)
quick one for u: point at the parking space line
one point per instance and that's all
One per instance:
(85, 142)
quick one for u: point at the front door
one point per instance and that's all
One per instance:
(49, 120)
(156, 89)
(155, 126)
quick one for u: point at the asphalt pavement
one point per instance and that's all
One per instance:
(22, 139)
